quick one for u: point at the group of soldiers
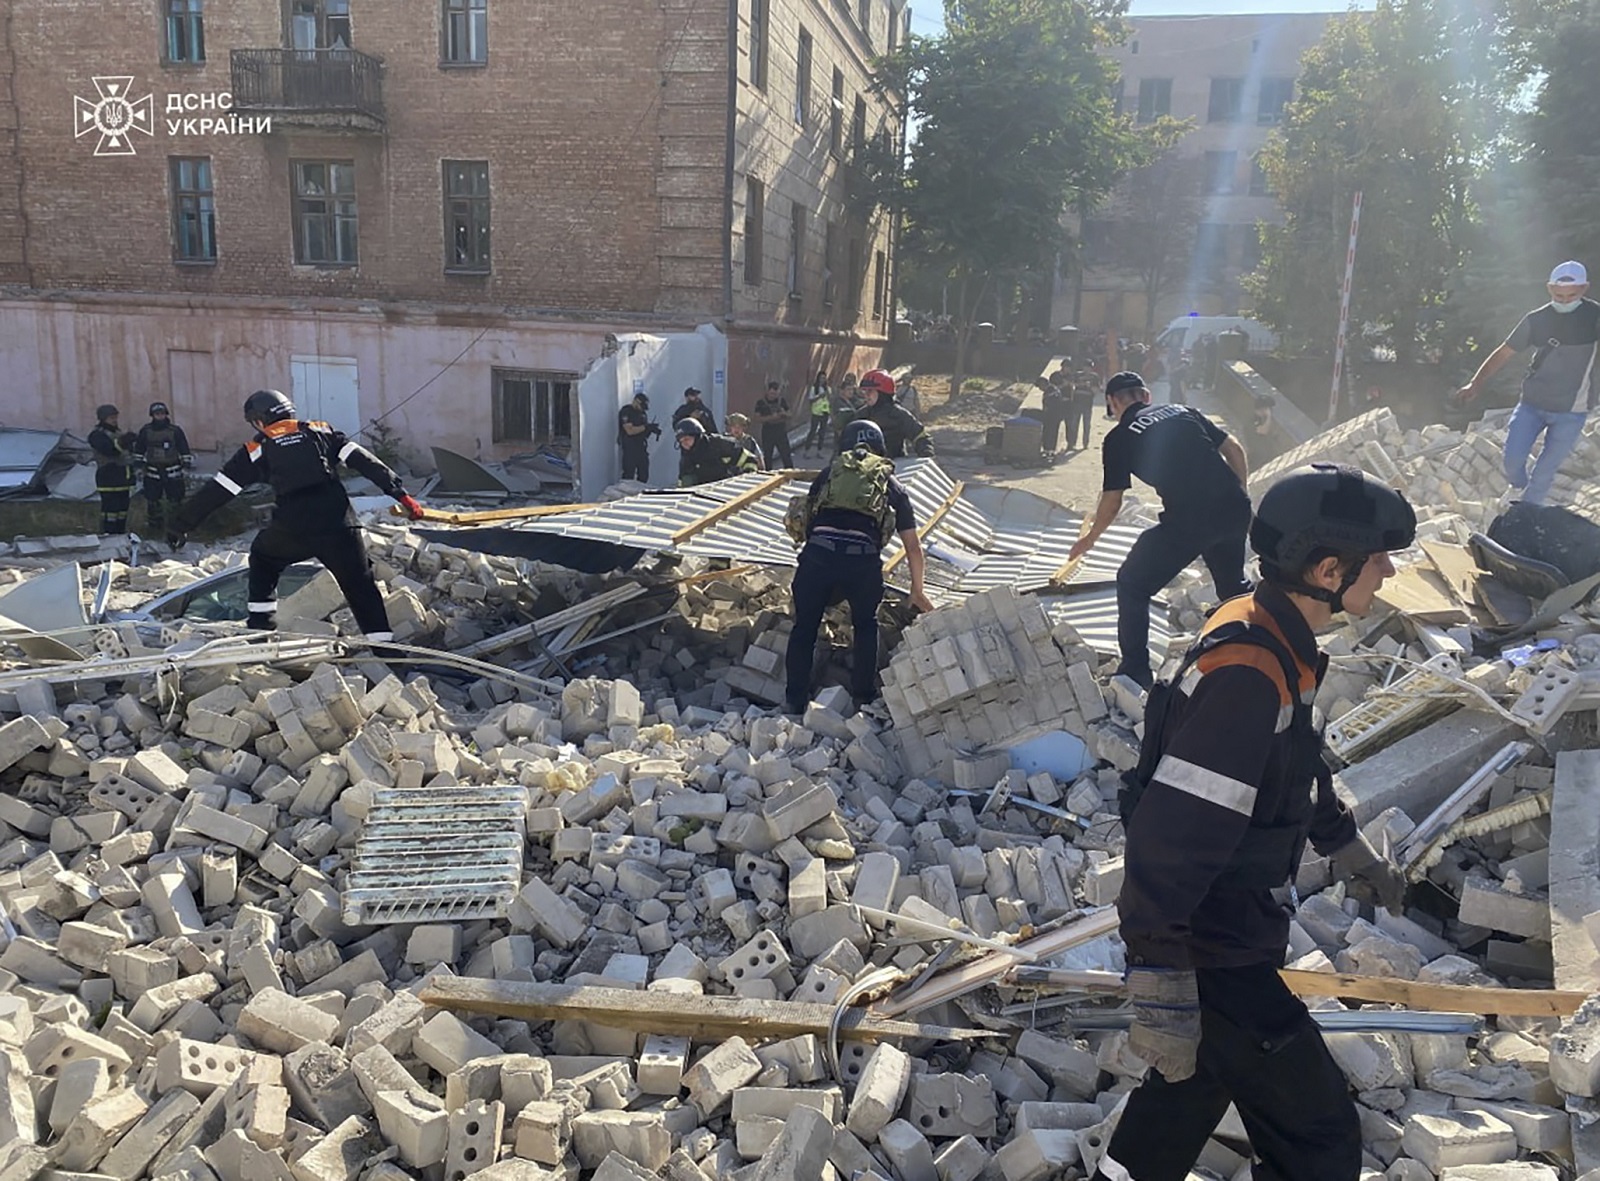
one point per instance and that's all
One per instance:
(159, 450)
(707, 454)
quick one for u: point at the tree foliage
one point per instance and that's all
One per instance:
(1153, 233)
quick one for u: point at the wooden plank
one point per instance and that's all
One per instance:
(927, 527)
(1069, 567)
(1422, 593)
(1442, 998)
(747, 497)
(1456, 566)
(526, 512)
(701, 1017)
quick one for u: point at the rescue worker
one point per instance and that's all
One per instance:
(903, 434)
(844, 521)
(1217, 814)
(694, 408)
(820, 404)
(311, 518)
(634, 432)
(113, 473)
(705, 458)
(739, 432)
(1199, 471)
(162, 449)
(772, 412)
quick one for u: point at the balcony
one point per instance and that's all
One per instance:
(323, 89)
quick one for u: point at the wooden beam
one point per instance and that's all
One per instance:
(1442, 998)
(494, 514)
(1071, 565)
(927, 527)
(700, 1017)
(749, 496)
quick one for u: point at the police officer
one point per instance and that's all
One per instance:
(694, 408)
(847, 527)
(634, 432)
(113, 473)
(704, 457)
(312, 517)
(1199, 471)
(163, 450)
(1217, 815)
(903, 434)
(1054, 401)
(772, 412)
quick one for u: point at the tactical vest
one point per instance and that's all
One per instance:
(161, 446)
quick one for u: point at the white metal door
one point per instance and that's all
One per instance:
(326, 389)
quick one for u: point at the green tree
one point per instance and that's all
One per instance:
(1152, 232)
(1380, 110)
(1015, 120)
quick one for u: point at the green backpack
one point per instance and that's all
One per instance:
(858, 482)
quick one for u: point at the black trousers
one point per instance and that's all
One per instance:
(824, 574)
(816, 432)
(1078, 417)
(114, 483)
(775, 444)
(1215, 533)
(636, 462)
(1260, 1050)
(163, 489)
(1053, 417)
(278, 546)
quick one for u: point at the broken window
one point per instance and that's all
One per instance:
(319, 24)
(755, 214)
(802, 81)
(532, 407)
(186, 32)
(325, 212)
(194, 217)
(1227, 101)
(836, 115)
(758, 44)
(466, 215)
(466, 32)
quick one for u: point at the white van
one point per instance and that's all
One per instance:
(1186, 330)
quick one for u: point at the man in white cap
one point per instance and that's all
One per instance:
(1557, 391)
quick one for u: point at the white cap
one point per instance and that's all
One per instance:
(1569, 272)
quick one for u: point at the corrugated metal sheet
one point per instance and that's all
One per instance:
(22, 454)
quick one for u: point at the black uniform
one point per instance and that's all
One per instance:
(311, 519)
(713, 458)
(113, 475)
(1205, 514)
(163, 449)
(698, 412)
(903, 433)
(841, 558)
(1080, 411)
(635, 448)
(775, 435)
(1056, 404)
(1237, 788)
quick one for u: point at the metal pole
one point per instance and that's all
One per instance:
(1344, 309)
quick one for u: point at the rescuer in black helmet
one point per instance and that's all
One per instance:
(113, 472)
(634, 432)
(705, 457)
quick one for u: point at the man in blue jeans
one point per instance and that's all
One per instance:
(1557, 392)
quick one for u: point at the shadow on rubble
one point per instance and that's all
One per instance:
(575, 553)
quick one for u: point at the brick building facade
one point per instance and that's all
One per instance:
(434, 210)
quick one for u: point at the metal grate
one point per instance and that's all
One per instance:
(437, 854)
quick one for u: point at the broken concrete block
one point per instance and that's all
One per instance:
(712, 1080)
(281, 1023)
(880, 1091)
(639, 1136)
(1459, 1138)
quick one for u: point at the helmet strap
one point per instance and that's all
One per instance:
(1334, 598)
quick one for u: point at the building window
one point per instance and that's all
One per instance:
(858, 128)
(802, 81)
(1276, 93)
(852, 277)
(532, 407)
(1259, 185)
(466, 215)
(325, 212)
(319, 24)
(758, 44)
(1155, 98)
(836, 115)
(186, 32)
(830, 263)
(755, 216)
(864, 18)
(797, 248)
(1221, 168)
(879, 281)
(1210, 251)
(894, 31)
(466, 32)
(1227, 100)
(194, 211)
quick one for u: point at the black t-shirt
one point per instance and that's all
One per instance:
(1173, 449)
(839, 520)
(631, 415)
(772, 404)
(1562, 382)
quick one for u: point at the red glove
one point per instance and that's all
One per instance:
(413, 509)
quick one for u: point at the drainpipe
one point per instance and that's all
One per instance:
(728, 147)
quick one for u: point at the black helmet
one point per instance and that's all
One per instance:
(267, 406)
(688, 428)
(863, 432)
(1327, 507)
(158, 408)
(104, 411)
(643, 399)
